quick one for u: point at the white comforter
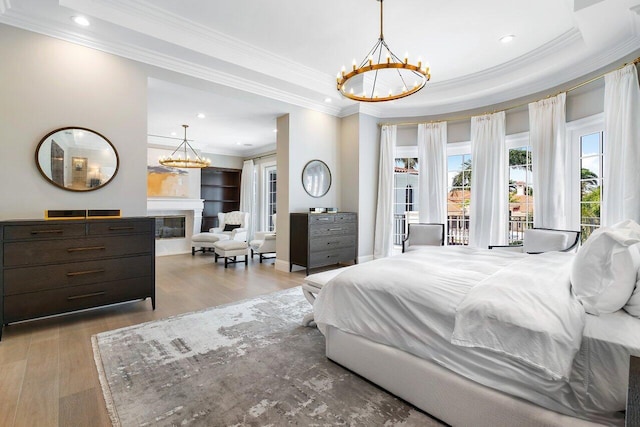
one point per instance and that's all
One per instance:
(410, 301)
(525, 311)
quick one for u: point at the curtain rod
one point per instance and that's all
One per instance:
(261, 156)
(458, 118)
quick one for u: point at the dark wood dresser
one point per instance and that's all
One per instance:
(53, 267)
(317, 240)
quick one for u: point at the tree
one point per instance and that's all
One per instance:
(588, 181)
(520, 158)
(463, 178)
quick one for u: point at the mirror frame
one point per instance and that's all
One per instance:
(44, 139)
(304, 170)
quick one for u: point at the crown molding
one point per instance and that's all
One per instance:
(145, 17)
(169, 62)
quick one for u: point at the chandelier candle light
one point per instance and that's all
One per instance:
(183, 159)
(386, 79)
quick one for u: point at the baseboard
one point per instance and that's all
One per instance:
(365, 258)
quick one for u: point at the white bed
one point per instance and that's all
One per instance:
(392, 321)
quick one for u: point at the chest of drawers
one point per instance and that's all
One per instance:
(317, 240)
(55, 267)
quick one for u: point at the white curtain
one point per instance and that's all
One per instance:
(551, 164)
(248, 195)
(621, 195)
(383, 236)
(489, 214)
(432, 161)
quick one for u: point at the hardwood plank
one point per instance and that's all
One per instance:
(10, 375)
(38, 402)
(85, 408)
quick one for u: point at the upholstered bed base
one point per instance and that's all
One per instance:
(436, 390)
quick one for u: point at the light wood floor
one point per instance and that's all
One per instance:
(47, 373)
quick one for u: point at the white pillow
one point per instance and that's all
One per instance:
(633, 305)
(537, 240)
(604, 271)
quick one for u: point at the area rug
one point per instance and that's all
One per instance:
(249, 363)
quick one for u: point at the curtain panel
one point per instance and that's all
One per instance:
(248, 195)
(621, 192)
(432, 179)
(383, 235)
(551, 161)
(489, 213)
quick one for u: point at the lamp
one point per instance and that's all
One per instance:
(186, 161)
(385, 79)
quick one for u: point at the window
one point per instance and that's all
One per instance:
(270, 181)
(459, 193)
(587, 143)
(591, 176)
(405, 202)
(520, 187)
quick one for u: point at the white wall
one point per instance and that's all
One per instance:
(359, 158)
(303, 135)
(48, 84)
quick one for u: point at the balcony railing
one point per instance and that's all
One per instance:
(458, 228)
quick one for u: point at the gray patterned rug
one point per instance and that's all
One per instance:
(249, 363)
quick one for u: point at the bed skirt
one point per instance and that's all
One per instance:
(436, 390)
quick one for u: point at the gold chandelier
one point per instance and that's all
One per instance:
(386, 79)
(183, 159)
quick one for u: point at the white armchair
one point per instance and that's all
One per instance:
(234, 224)
(540, 240)
(264, 242)
(420, 235)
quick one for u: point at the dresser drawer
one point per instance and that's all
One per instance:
(318, 259)
(331, 242)
(345, 217)
(321, 218)
(123, 226)
(68, 250)
(332, 229)
(28, 306)
(43, 231)
(41, 278)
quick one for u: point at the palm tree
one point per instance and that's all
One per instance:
(588, 181)
(463, 178)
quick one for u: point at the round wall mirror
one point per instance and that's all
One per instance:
(316, 178)
(77, 159)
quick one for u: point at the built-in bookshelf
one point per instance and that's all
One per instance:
(220, 190)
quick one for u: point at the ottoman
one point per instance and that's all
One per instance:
(205, 241)
(231, 249)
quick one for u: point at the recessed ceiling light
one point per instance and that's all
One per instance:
(201, 116)
(81, 20)
(275, 130)
(173, 134)
(507, 38)
(237, 143)
(327, 100)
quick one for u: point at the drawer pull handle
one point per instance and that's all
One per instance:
(56, 231)
(335, 229)
(94, 294)
(80, 273)
(333, 243)
(120, 228)
(89, 248)
(323, 219)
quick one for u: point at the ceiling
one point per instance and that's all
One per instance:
(284, 54)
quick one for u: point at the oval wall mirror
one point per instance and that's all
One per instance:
(316, 178)
(77, 159)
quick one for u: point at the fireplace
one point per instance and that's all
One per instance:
(170, 227)
(172, 208)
